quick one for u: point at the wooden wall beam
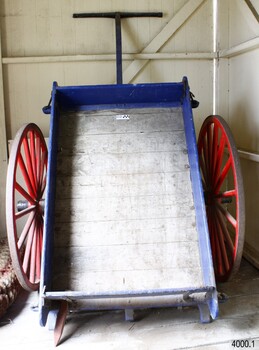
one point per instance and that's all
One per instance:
(173, 25)
(249, 15)
(253, 10)
(111, 57)
(239, 49)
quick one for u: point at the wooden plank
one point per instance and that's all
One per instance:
(73, 234)
(112, 164)
(102, 122)
(127, 281)
(125, 185)
(173, 25)
(131, 208)
(125, 143)
(130, 257)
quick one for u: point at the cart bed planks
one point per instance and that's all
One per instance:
(124, 207)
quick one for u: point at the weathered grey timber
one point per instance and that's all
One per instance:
(125, 218)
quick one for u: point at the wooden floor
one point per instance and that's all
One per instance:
(162, 329)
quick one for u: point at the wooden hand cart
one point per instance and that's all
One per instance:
(120, 216)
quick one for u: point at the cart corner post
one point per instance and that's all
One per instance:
(48, 232)
(201, 217)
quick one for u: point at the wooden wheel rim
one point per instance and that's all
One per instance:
(224, 195)
(28, 158)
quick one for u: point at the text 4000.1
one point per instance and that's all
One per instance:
(243, 343)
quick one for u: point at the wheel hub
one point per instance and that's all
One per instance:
(24, 204)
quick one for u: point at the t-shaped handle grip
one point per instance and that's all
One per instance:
(118, 16)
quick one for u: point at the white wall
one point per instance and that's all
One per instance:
(239, 79)
(44, 29)
(42, 43)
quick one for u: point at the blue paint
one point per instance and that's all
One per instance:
(119, 97)
(201, 220)
(48, 233)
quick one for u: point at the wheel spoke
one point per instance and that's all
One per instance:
(25, 230)
(223, 175)
(214, 245)
(219, 257)
(26, 176)
(38, 160)
(210, 149)
(204, 170)
(25, 194)
(29, 163)
(28, 249)
(226, 233)
(38, 255)
(42, 182)
(206, 156)
(226, 194)
(227, 215)
(214, 147)
(212, 233)
(24, 212)
(219, 160)
(33, 155)
(33, 255)
(222, 244)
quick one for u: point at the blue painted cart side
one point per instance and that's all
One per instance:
(119, 97)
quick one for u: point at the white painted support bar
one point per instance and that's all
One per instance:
(111, 57)
(239, 49)
(254, 157)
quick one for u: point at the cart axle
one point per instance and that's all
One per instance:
(210, 198)
(24, 204)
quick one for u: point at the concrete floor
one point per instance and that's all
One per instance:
(161, 329)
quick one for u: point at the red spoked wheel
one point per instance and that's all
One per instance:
(224, 195)
(26, 181)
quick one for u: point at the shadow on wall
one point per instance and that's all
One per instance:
(245, 131)
(250, 171)
(244, 126)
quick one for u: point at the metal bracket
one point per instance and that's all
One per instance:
(129, 315)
